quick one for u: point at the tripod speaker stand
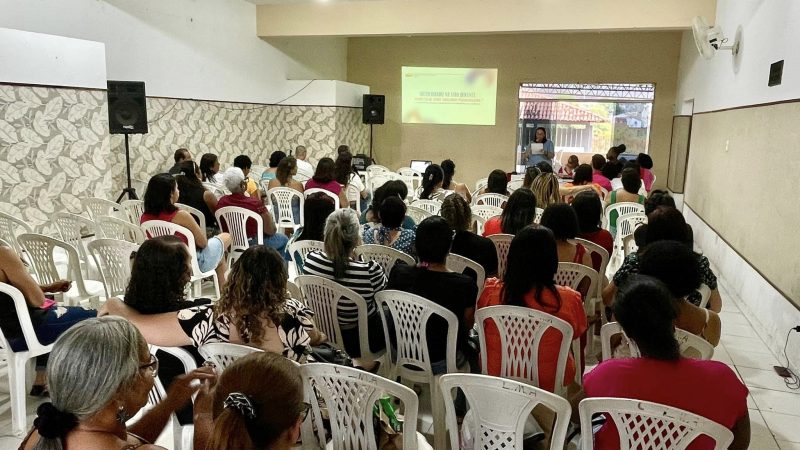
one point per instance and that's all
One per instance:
(127, 114)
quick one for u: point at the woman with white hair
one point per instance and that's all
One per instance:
(100, 373)
(339, 263)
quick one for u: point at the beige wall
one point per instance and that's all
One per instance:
(555, 57)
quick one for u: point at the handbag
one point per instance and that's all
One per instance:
(326, 353)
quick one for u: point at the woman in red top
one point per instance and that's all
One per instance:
(589, 208)
(324, 178)
(159, 204)
(519, 212)
(646, 310)
(528, 281)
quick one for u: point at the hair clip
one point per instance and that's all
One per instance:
(241, 403)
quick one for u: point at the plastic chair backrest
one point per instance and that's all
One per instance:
(349, 395)
(572, 274)
(154, 228)
(459, 264)
(96, 207)
(295, 292)
(496, 200)
(479, 222)
(409, 172)
(330, 194)
(521, 330)
(353, 197)
(691, 346)
(417, 214)
(374, 169)
(410, 314)
(649, 425)
(223, 354)
(379, 179)
(113, 259)
(24, 318)
(387, 257)
(629, 245)
(40, 248)
(537, 218)
(235, 220)
(621, 208)
(502, 242)
(500, 408)
(481, 183)
(114, 228)
(593, 248)
(412, 179)
(71, 229)
(486, 212)
(513, 185)
(133, 210)
(282, 198)
(323, 297)
(432, 206)
(196, 213)
(8, 230)
(627, 223)
(705, 294)
(302, 249)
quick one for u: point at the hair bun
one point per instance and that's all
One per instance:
(51, 423)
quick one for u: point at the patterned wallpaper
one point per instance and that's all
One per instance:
(55, 147)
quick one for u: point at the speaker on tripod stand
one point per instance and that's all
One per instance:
(127, 114)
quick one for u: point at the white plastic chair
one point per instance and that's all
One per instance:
(294, 292)
(235, 220)
(353, 197)
(71, 228)
(502, 242)
(298, 250)
(478, 223)
(18, 361)
(113, 260)
(282, 197)
(133, 210)
(486, 212)
(572, 274)
(705, 295)
(496, 200)
(643, 424)
(323, 296)
(537, 218)
(500, 408)
(513, 185)
(10, 228)
(432, 206)
(629, 245)
(114, 228)
(154, 228)
(521, 330)
(417, 214)
(410, 314)
(691, 345)
(459, 264)
(387, 257)
(182, 435)
(223, 354)
(349, 395)
(480, 184)
(621, 208)
(199, 217)
(96, 207)
(334, 197)
(412, 178)
(41, 249)
(379, 179)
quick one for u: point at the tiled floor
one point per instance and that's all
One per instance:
(774, 408)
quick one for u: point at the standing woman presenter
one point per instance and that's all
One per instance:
(540, 149)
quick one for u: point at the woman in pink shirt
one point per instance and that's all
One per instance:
(646, 171)
(325, 178)
(646, 310)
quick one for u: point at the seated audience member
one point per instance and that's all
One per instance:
(338, 263)
(303, 165)
(284, 177)
(539, 150)
(520, 211)
(431, 280)
(598, 161)
(159, 204)
(394, 188)
(646, 170)
(432, 181)
(324, 178)
(563, 222)
(316, 209)
(194, 194)
(628, 193)
(678, 267)
(589, 209)
(253, 310)
(528, 282)
(544, 167)
(449, 184)
(496, 183)
(613, 166)
(243, 162)
(654, 200)
(241, 414)
(346, 175)
(389, 232)
(275, 158)
(530, 174)
(548, 191)
(583, 177)
(48, 320)
(100, 375)
(645, 310)
(209, 168)
(236, 183)
(458, 214)
(180, 156)
(567, 170)
(342, 148)
(667, 224)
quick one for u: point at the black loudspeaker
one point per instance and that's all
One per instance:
(372, 109)
(127, 110)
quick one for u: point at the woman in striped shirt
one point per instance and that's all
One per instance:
(338, 263)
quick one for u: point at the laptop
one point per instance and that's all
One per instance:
(419, 165)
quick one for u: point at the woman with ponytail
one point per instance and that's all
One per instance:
(100, 374)
(432, 181)
(245, 415)
(646, 309)
(449, 184)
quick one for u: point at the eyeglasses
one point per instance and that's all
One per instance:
(304, 412)
(152, 366)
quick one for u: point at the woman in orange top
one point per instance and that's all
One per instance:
(528, 281)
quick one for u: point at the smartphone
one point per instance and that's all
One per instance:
(782, 371)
